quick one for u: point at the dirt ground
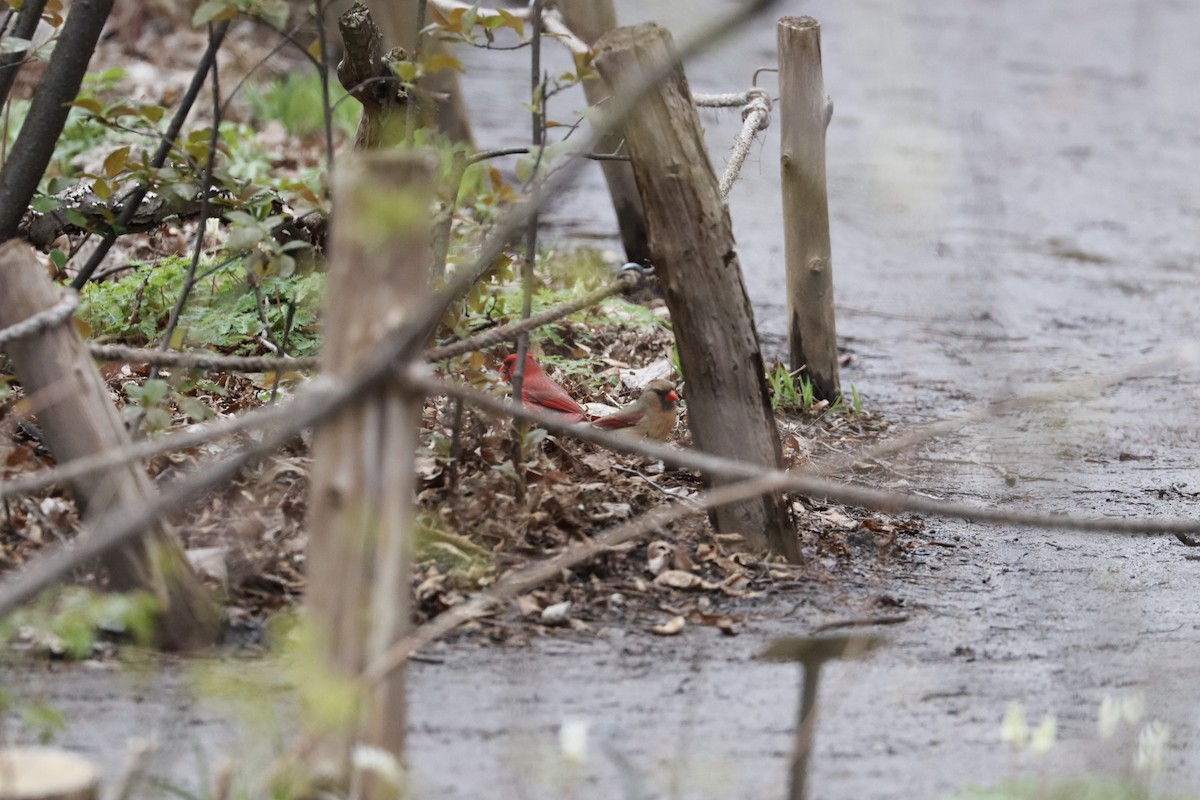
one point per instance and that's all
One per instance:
(1014, 203)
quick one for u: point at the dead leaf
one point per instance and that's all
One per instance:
(433, 585)
(614, 511)
(556, 614)
(678, 579)
(638, 378)
(722, 622)
(837, 519)
(210, 562)
(528, 605)
(682, 560)
(669, 628)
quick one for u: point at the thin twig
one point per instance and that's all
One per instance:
(527, 268)
(799, 480)
(323, 72)
(486, 155)
(214, 140)
(410, 106)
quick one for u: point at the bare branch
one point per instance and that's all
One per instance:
(58, 87)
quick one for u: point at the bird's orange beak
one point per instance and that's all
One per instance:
(672, 397)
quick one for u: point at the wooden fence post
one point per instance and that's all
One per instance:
(589, 20)
(361, 500)
(46, 773)
(73, 408)
(804, 111)
(691, 243)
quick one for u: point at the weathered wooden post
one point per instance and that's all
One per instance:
(805, 110)
(45, 773)
(73, 408)
(692, 247)
(361, 502)
(589, 20)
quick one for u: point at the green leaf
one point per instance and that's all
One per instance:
(89, 104)
(213, 10)
(440, 61)
(468, 20)
(44, 720)
(512, 21)
(151, 113)
(157, 419)
(153, 392)
(283, 266)
(120, 110)
(115, 161)
(195, 410)
(524, 168)
(275, 12)
(12, 45)
(408, 71)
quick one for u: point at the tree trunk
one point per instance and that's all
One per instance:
(589, 20)
(691, 243)
(10, 63)
(59, 85)
(805, 113)
(361, 507)
(72, 406)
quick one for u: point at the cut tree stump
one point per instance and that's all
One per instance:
(804, 111)
(361, 502)
(365, 72)
(73, 408)
(438, 96)
(692, 247)
(44, 773)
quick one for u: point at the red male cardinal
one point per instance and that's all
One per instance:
(539, 391)
(651, 416)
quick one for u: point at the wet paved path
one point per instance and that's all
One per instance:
(1014, 196)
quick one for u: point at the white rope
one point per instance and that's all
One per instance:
(756, 116)
(727, 100)
(56, 315)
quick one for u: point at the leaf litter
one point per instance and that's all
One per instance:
(248, 540)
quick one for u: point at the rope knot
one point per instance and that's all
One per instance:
(757, 102)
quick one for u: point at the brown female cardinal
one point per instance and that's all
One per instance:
(539, 391)
(651, 416)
